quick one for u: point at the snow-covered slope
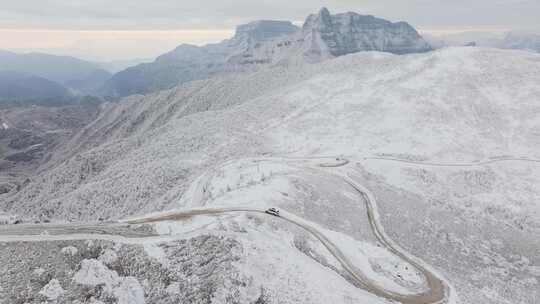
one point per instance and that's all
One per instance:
(452, 105)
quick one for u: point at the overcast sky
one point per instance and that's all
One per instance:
(125, 29)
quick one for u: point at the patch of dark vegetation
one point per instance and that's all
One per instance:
(58, 101)
(264, 298)
(195, 270)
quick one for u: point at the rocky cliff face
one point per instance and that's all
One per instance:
(326, 36)
(268, 42)
(263, 30)
(190, 62)
(350, 33)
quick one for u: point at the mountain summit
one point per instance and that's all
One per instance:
(350, 33)
(263, 30)
(325, 36)
(270, 42)
(246, 36)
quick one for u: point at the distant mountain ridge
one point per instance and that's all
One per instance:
(65, 70)
(269, 42)
(511, 40)
(189, 62)
(522, 41)
(18, 88)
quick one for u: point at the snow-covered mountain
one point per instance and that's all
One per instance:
(350, 33)
(325, 36)
(516, 40)
(262, 43)
(191, 62)
(483, 39)
(436, 122)
(522, 41)
(160, 126)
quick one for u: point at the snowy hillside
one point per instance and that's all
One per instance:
(453, 104)
(246, 140)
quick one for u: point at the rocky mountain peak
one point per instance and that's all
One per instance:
(350, 32)
(318, 21)
(262, 30)
(324, 12)
(267, 42)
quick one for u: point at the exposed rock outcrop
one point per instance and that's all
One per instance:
(350, 33)
(190, 62)
(267, 42)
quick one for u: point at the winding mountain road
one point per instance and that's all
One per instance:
(437, 291)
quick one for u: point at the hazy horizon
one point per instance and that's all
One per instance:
(124, 30)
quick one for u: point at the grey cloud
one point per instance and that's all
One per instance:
(201, 14)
